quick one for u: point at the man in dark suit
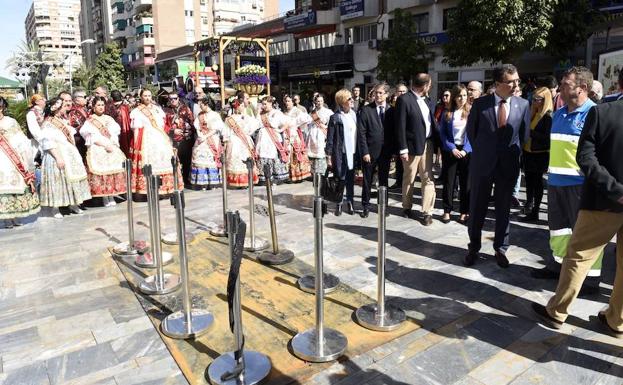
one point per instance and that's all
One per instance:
(599, 220)
(417, 132)
(373, 127)
(497, 127)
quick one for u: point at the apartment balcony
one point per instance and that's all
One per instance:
(145, 40)
(144, 21)
(142, 5)
(142, 62)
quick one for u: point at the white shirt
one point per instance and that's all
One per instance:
(33, 125)
(349, 121)
(497, 105)
(265, 147)
(458, 127)
(425, 113)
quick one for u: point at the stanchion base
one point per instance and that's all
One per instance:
(171, 238)
(148, 286)
(123, 249)
(175, 325)
(147, 260)
(368, 318)
(305, 345)
(307, 283)
(258, 245)
(218, 231)
(270, 258)
(257, 366)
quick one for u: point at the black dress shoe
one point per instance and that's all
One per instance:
(515, 203)
(338, 210)
(501, 259)
(365, 212)
(427, 220)
(531, 217)
(349, 208)
(407, 213)
(544, 273)
(601, 316)
(470, 259)
(544, 317)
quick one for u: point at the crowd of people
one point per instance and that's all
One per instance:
(484, 141)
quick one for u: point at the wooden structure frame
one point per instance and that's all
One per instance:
(223, 43)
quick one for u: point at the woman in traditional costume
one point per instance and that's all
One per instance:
(63, 176)
(317, 137)
(105, 159)
(18, 197)
(239, 146)
(271, 147)
(206, 153)
(300, 167)
(151, 145)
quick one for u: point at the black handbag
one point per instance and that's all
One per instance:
(331, 187)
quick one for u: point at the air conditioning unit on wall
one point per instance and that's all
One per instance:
(373, 44)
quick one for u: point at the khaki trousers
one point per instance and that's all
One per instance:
(422, 165)
(592, 232)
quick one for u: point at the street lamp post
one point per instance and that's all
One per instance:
(71, 62)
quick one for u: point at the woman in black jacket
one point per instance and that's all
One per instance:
(536, 151)
(342, 145)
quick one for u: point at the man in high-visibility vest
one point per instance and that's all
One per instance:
(565, 178)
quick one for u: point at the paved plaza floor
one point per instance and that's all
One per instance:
(67, 315)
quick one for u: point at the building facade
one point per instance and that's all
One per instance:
(96, 24)
(55, 26)
(328, 44)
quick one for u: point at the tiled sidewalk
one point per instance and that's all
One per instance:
(68, 317)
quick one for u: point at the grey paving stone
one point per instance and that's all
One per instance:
(81, 363)
(11, 340)
(35, 374)
(145, 343)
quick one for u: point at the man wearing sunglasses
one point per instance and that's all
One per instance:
(179, 126)
(497, 127)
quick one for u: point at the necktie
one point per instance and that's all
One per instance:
(381, 113)
(502, 114)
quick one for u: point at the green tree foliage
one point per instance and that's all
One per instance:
(18, 111)
(497, 30)
(109, 69)
(84, 77)
(402, 53)
(572, 21)
(501, 30)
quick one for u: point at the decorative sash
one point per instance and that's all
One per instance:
(316, 119)
(145, 110)
(299, 146)
(63, 128)
(231, 122)
(100, 126)
(283, 152)
(214, 147)
(28, 176)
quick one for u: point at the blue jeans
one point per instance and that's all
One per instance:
(349, 177)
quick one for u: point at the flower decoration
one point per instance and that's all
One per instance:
(251, 74)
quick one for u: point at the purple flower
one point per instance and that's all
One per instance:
(252, 79)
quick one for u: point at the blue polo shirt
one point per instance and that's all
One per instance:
(565, 135)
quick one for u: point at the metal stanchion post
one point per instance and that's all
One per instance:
(277, 256)
(380, 316)
(252, 243)
(319, 344)
(242, 366)
(171, 238)
(221, 230)
(189, 322)
(148, 260)
(133, 246)
(161, 282)
(307, 283)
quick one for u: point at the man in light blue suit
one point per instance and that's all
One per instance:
(497, 127)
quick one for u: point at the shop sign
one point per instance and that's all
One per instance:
(302, 20)
(349, 9)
